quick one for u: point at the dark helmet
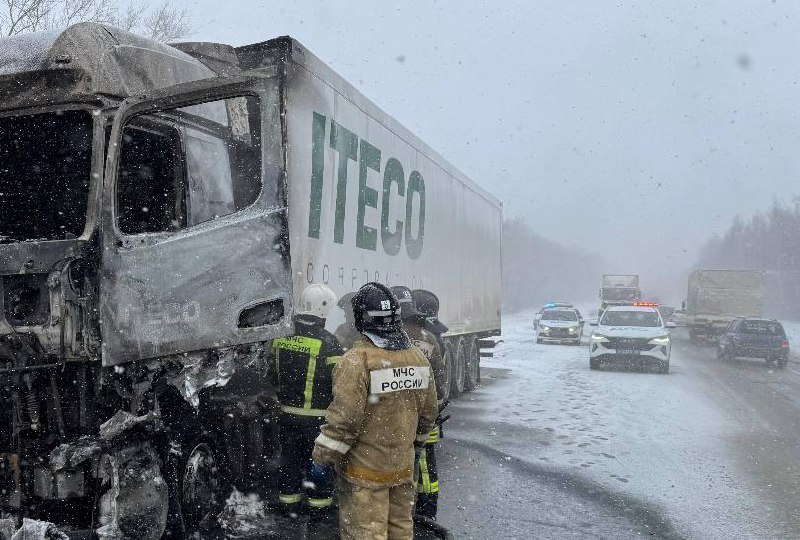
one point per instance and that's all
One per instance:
(427, 305)
(346, 305)
(376, 314)
(407, 308)
(346, 301)
(426, 302)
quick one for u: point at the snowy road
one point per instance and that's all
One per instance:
(547, 448)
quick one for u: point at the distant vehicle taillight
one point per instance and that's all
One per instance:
(784, 344)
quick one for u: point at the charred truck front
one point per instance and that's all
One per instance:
(143, 258)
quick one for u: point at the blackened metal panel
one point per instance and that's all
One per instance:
(186, 292)
(169, 293)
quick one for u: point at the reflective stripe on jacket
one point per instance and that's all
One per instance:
(303, 366)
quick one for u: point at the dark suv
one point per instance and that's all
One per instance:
(754, 338)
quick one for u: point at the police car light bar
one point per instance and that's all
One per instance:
(645, 304)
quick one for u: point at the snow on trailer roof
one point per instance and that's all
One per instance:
(107, 60)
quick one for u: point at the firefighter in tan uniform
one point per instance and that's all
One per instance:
(427, 473)
(383, 409)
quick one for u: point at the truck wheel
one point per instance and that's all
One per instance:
(459, 369)
(447, 357)
(473, 364)
(202, 495)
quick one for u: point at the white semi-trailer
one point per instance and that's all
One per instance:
(163, 207)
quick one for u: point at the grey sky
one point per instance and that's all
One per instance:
(635, 129)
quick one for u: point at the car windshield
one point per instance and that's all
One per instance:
(559, 315)
(630, 318)
(761, 327)
(45, 168)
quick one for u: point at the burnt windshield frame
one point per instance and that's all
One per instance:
(177, 116)
(86, 212)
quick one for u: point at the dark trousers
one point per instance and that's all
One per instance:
(428, 483)
(297, 443)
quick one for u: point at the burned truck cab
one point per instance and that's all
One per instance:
(143, 263)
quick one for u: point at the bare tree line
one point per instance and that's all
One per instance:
(766, 241)
(537, 270)
(162, 22)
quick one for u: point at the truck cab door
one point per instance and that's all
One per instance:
(195, 252)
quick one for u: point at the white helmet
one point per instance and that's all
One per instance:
(316, 300)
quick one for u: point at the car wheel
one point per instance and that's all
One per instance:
(664, 367)
(782, 363)
(594, 363)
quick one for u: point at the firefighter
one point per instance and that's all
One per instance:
(427, 474)
(427, 304)
(303, 371)
(346, 332)
(384, 407)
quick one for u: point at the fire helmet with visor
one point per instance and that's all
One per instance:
(376, 313)
(316, 300)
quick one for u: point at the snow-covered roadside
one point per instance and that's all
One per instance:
(659, 438)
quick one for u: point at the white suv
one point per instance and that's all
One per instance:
(632, 334)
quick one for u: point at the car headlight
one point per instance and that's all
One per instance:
(545, 329)
(599, 338)
(573, 329)
(661, 340)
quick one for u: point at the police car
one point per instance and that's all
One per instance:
(538, 315)
(634, 334)
(560, 325)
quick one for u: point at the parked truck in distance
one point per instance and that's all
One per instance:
(618, 290)
(715, 297)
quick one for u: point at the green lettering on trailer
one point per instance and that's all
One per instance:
(348, 145)
(317, 173)
(416, 184)
(367, 237)
(345, 143)
(392, 174)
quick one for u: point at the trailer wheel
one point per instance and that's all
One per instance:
(458, 373)
(473, 365)
(447, 357)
